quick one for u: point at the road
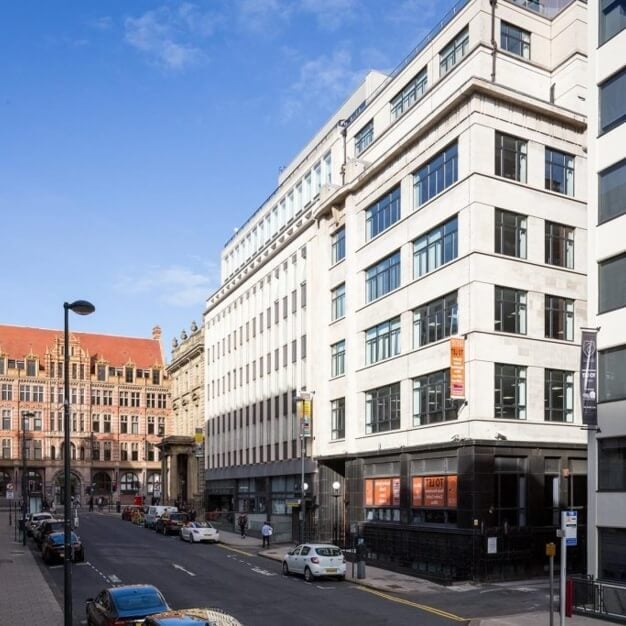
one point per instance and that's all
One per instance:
(238, 581)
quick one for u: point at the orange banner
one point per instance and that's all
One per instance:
(418, 492)
(434, 491)
(457, 367)
(382, 492)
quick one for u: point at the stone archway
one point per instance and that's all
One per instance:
(59, 487)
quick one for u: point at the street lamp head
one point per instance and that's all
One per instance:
(336, 486)
(305, 486)
(80, 307)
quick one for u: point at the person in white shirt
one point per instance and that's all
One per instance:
(266, 531)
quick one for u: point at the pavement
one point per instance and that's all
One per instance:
(27, 600)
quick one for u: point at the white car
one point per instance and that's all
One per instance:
(199, 531)
(314, 560)
(34, 518)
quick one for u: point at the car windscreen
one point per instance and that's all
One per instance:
(59, 538)
(330, 551)
(147, 600)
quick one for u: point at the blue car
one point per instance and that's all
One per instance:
(127, 604)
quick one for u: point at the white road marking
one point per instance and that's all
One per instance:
(182, 569)
(114, 579)
(264, 572)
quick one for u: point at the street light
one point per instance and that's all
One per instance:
(80, 307)
(336, 487)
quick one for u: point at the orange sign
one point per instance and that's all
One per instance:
(382, 492)
(395, 488)
(418, 495)
(457, 367)
(452, 491)
(369, 493)
(434, 490)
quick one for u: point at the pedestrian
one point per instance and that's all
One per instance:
(91, 504)
(266, 531)
(243, 524)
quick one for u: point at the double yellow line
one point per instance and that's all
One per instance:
(415, 605)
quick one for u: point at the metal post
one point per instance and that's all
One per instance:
(552, 590)
(67, 552)
(303, 501)
(563, 570)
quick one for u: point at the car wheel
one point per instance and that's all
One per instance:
(285, 569)
(308, 575)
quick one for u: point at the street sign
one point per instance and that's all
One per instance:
(570, 525)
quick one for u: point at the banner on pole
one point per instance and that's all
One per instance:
(589, 377)
(457, 368)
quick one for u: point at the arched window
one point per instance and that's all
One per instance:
(129, 483)
(82, 453)
(154, 482)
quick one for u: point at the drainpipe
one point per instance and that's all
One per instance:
(494, 45)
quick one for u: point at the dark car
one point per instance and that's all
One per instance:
(46, 527)
(127, 604)
(53, 548)
(171, 523)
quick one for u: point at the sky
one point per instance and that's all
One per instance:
(136, 136)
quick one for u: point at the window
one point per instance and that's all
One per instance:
(6, 391)
(124, 424)
(129, 374)
(403, 101)
(436, 175)
(511, 157)
(383, 213)
(338, 302)
(559, 396)
(6, 419)
(134, 424)
(612, 19)
(382, 499)
(435, 248)
(613, 101)
(364, 137)
(107, 423)
(383, 277)
(612, 192)
(515, 40)
(303, 295)
(611, 380)
(134, 398)
(6, 448)
(129, 483)
(559, 172)
(338, 358)
(510, 391)
(382, 341)
(612, 284)
(156, 377)
(38, 393)
(435, 320)
(559, 318)
(434, 498)
(107, 451)
(338, 245)
(123, 451)
(510, 310)
(338, 419)
(611, 550)
(382, 409)
(454, 52)
(560, 245)
(431, 399)
(612, 464)
(510, 491)
(31, 367)
(510, 234)
(37, 450)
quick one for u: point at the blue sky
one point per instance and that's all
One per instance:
(135, 136)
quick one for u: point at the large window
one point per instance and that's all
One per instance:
(509, 491)
(383, 277)
(435, 248)
(338, 302)
(612, 464)
(454, 52)
(612, 192)
(611, 380)
(612, 554)
(515, 40)
(436, 175)
(559, 172)
(511, 157)
(382, 499)
(383, 213)
(560, 245)
(510, 391)
(338, 358)
(612, 18)
(402, 102)
(612, 284)
(338, 419)
(613, 101)
(129, 483)
(364, 137)
(559, 396)
(559, 318)
(435, 320)
(382, 341)
(431, 399)
(510, 310)
(338, 245)
(382, 409)
(510, 235)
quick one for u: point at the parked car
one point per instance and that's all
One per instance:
(315, 560)
(33, 518)
(199, 531)
(154, 512)
(192, 617)
(53, 548)
(170, 523)
(45, 528)
(126, 604)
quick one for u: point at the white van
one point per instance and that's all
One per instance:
(154, 512)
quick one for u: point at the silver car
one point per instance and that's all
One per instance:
(314, 560)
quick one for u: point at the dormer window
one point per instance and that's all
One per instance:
(129, 374)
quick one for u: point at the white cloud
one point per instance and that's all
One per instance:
(331, 14)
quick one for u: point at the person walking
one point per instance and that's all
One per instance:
(243, 524)
(91, 504)
(266, 531)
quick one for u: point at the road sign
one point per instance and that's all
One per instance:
(570, 525)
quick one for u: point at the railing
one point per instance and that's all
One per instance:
(599, 598)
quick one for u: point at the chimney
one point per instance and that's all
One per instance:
(156, 333)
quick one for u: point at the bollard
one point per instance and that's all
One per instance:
(569, 597)
(360, 570)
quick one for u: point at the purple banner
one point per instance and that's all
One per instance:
(589, 377)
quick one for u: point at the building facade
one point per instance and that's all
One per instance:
(444, 201)
(119, 395)
(607, 293)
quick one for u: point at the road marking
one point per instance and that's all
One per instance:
(221, 545)
(114, 579)
(258, 570)
(182, 569)
(422, 607)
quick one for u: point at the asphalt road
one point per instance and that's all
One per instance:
(243, 584)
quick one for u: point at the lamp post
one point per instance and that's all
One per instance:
(305, 488)
(25, 416)
(80, 307)
(336, 487)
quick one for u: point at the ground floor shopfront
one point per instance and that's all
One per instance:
(467, 510)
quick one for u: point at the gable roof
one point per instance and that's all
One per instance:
(19, 341)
